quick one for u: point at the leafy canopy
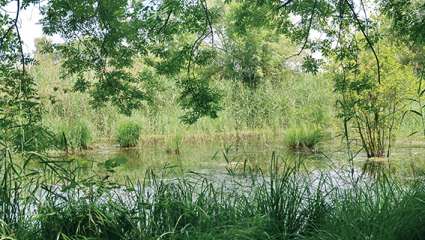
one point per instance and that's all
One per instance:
(104, 38)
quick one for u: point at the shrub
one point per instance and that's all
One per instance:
(128, 134)
(303, 137)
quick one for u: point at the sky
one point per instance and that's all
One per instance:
(30, 27)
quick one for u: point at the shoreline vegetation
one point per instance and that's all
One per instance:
(283, 202)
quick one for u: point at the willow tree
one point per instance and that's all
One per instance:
(375, 109)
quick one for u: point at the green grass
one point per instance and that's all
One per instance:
(128, 134)
(284, 203)
(73, 135)
(376, 211)
(305, 138)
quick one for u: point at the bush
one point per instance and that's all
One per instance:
(375, 110)
(303, 138)
(128, 134)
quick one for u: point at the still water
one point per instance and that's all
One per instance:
(218, 157)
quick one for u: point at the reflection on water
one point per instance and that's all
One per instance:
(378, 167)
(240, 156)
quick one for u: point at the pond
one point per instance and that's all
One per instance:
(217, 157)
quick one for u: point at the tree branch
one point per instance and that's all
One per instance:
(18, 34)
(367, 39)
(310, 23)
(204, 35)
(13, 23)
(285, 4)
(166, 22)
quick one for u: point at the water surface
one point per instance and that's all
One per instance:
(218, 157)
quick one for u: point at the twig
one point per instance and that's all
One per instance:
(367, 39)
(166, 22)
(13, 24)
(310, 23)
(285, 4)
(18, 34)
(201, 37)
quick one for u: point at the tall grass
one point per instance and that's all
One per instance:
(384, 210)
(274, 105)
(304, 138)
(128, 134)
(285, 202)
(73, 135)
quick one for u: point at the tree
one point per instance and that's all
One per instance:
(19, 106)
(408, 25)
(375, 109)
(104, 38)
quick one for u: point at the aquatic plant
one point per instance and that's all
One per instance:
(128, 134)
(73, 135)
(303, 137)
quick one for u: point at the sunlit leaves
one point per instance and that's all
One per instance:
(102, 40)
(375, 109)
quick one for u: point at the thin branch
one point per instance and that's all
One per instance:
(194, 47)
(359, 23)
(13, 24)
(365, 14)
(166, 22)
(310, 23)
(203, 36)
(18, 34)
(208, 18)
(285, 4)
